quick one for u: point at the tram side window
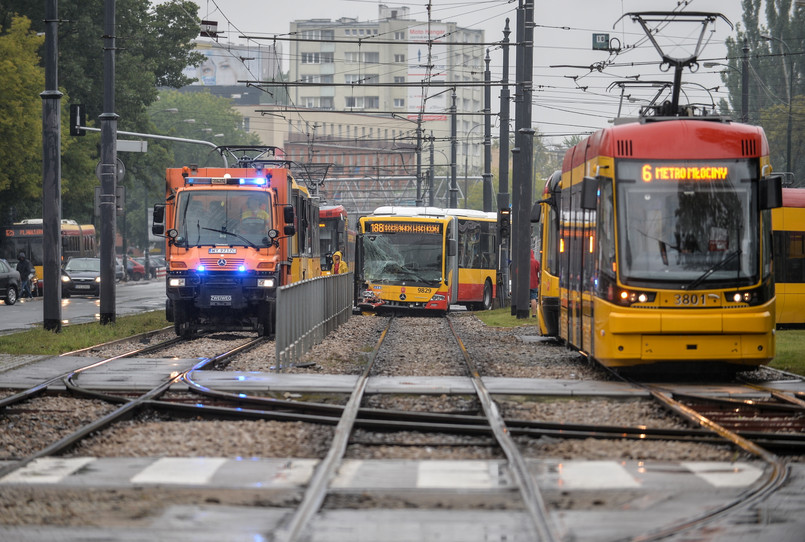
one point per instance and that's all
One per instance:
(606, 230)
(789, 256)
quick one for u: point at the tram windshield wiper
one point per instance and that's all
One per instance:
(233, 234)
(715, 267)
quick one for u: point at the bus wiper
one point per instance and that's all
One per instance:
(234, 234)
(727, 259)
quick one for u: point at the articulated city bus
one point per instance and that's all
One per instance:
(78, 241)
(426, 258)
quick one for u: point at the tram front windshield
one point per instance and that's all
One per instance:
(687, 223)
(401, 257)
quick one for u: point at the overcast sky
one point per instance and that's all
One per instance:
(567, 100)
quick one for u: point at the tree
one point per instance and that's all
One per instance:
(771, 64)
(154, 46)
(21, 81)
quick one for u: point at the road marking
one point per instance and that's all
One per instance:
(594, 475)
(180, 470)
(457, 474)
(47, 470)
(723, 474)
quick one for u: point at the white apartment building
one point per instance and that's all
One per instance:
(381, 67)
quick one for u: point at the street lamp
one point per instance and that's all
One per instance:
(789, 74)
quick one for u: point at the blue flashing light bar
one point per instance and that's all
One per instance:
(251, 181)
(201, 268)
(241, 268)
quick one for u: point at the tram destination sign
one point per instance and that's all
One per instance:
(702, 172)
(405, 227)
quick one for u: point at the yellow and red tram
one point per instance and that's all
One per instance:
(656, 245)
(788, 226)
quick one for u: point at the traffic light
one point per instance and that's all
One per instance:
(504, 223)
(78, 119)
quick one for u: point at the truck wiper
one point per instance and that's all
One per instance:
(727, 259)
(234, 234)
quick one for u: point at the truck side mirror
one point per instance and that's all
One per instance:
(288, 214)
(158, 227)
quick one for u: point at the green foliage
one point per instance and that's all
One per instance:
(771, 64)
(154, 46)
(21, 82)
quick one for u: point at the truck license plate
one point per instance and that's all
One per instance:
(220, 299)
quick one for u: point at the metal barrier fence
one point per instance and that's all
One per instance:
(307, 312)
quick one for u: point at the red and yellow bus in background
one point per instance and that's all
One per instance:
(788, 226)
(233, 236)
(426, 258)
(78, 241)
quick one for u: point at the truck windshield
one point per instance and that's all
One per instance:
(402, 257)
(690, 223)
(223, 217)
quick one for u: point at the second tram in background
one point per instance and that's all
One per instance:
(426, 259)
(656, 245)
(336, 234)
(788, 224)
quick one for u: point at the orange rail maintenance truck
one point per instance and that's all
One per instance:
(233, 236)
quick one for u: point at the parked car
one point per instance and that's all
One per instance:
(9, 283)
(83, 277)
(118, 270)
(135, 269)
(154, 263)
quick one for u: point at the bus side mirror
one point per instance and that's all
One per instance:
(536, 212)
(158, 226)
(589, 193)
(288, 214)
(771, 191)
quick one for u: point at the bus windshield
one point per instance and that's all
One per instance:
(402, 257)
(223, 217)
(689, 223)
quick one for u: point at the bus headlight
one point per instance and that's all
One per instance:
(265, 283)
(438, 297)
(176, 282)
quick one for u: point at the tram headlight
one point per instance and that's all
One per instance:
(176, 282)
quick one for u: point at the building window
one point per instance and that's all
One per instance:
(399, 35)
(399, 58)
(399, 79)
(310, 35)
(353, 78)
(310, 58)
(363, 102)
(371, 58)
(399, 102)
(352, 57)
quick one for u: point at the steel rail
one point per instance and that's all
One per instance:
(125, 411)
(535, 503)
(42, 387)
(325, 470)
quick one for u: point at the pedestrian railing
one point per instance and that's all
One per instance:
(307, 312)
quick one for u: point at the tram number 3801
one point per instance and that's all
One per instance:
(689, 299)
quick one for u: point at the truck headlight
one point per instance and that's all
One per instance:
(265, 283)
(176, 282)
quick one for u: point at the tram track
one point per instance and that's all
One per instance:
(452, 425)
